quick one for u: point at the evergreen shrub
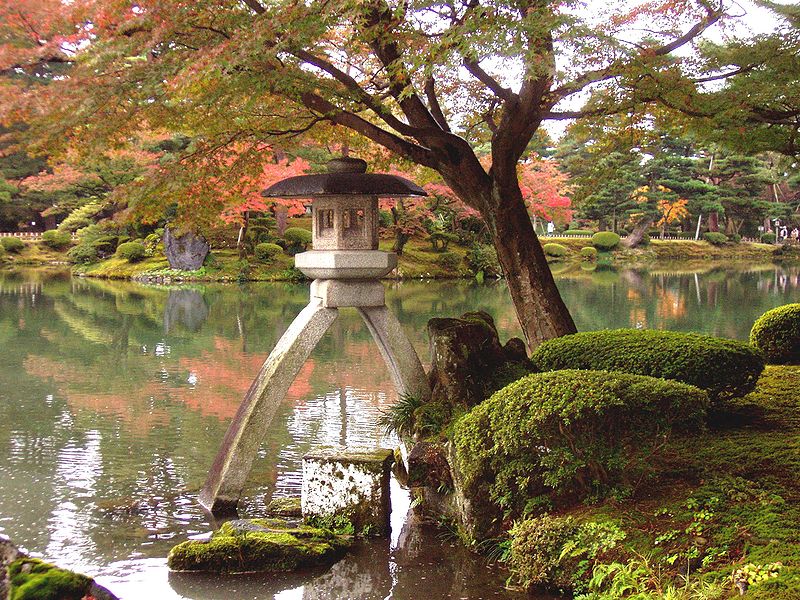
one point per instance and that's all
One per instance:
(83, 254)
(57, 240)
(555, 250)
(767, 238)
(12, 244)
(605, 240)
(568, 436)
(724, 368)
(577, 232)
(588, 253)
(482, 258)
(450, 261)
(297, 239)
(266, 252)
(131, 251)
(776, 333)
(715, 238)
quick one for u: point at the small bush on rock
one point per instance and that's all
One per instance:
(12, 244)
(588, 253)
(715, 238)
(555, 250)
(131, 251)
(776, 333)
(568, 435)
(266, 252)
(57, 240)
(605, 240)
(723, 368)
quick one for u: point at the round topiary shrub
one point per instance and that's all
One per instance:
(777, 334)
(555, 250)
(131, 251)
(12, 244)
(767, 238)
(724, 368)
(297, 235)
(605, 240)
(566, 435)
(266, 252)
(588, 253)
(57, 240)
(715, 238)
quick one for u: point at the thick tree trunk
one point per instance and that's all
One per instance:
(713, 222)
(540, 309)
(635, 237)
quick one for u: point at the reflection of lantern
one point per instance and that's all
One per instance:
(346, 266)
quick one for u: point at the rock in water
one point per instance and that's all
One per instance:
(185, 252)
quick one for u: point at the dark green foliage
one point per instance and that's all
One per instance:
(589, 253)
(83, 254)
(12, 244)
(734, 238)
(715, 238)
(605, 240)
(569, 435)
(2, 251)
(266, 252)
(768, 238)
(555, 250)
(297, 239)
(57, 240)
(33, 579)
(441, 239)
(723, 368)
(131, 251)
(776, 333)
(449, 261)
(482, 258)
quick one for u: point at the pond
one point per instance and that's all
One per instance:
(114, 398)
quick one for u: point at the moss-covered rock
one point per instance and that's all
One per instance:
(776, 333)
(285, 507)
(259, 545)
(34, 579)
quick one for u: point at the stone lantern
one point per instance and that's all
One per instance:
(346, 266)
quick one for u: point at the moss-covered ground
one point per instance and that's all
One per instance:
(34, 579)
(723, 510)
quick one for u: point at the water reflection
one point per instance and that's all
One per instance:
(114, 398)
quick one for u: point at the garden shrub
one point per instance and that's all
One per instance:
(450, 261)
(131, 251)
(557, 552)
(623, 232)
(266, 252)
(566, 436)
(83, 254)
(297, 239)
(715, 238)
(440, 240)
(81, 217)
(605, 240)
(734, 238)
(57, 240)
(2, 251)
(767, 238)
(588, 253)
(555, 250)
(482, 258)
(776, 333)
(12, 244)
(723, 368)
(577, 232)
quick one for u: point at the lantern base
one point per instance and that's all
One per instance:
(335, 293)
(345, 264)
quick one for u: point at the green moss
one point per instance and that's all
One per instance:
(33, 579)
(258, 545)
(284, 507)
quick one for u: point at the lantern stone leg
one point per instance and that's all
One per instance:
(228, 474)
(399, 355)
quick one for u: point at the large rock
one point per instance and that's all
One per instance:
(185, 252)
(468, 363)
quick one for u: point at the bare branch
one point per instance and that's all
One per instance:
(476, 71)
(256, 6)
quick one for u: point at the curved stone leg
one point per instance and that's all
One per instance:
(228, 474)
(404, 365)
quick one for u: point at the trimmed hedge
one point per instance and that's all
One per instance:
(555, 250)
(776, 333)
(767, 238)
(297, 235)
(724, 368)
(131, 251)
(567, 435)
(589, 253)
(12, 244)
(577, 232)
(55, 239)
(605, 240)
(715, 238)
(265, 252)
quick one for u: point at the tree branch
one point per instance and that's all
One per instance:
(476, 71)
(256, 6)
(433, 102)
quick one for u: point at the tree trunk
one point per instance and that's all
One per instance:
(540, 309)
(240, 245)
(635, 237)
(713, 221)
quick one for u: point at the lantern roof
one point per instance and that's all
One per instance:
(345, 177)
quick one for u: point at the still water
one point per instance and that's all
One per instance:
(114, 398)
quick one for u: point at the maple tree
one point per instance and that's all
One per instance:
(544, 188)
(427, 81)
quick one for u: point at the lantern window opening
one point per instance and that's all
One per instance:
(325, 222)
(353, 222)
